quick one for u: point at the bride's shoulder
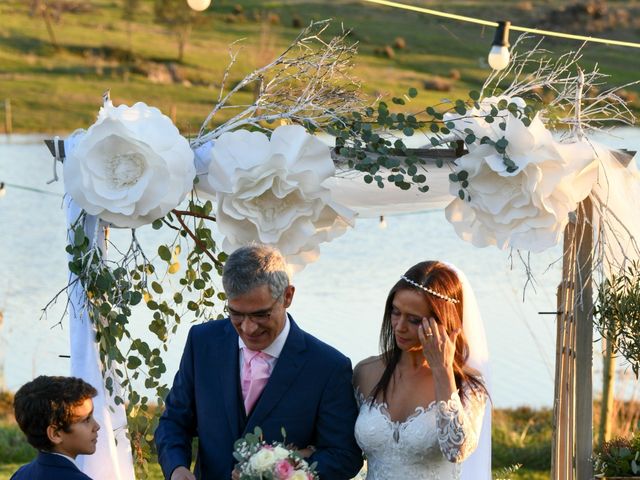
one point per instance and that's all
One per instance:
(367, 373)
(373, 363)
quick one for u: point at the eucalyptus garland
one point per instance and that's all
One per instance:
(114, 288)
(371, 144)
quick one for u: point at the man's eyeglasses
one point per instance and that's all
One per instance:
(260, 316)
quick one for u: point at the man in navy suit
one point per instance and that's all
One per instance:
(56, 415)
(258, 368)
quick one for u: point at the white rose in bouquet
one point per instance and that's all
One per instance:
(299, 475)
(280, 453)
(131, 167)
(263, 460)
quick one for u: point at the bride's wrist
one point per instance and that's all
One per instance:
(442, 372)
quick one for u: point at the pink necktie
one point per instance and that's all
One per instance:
(255, 374)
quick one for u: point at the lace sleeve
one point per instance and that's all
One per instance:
(459, 426)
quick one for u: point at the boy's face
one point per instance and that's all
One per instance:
(82, 436)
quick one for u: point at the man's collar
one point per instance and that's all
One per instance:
(275, 349)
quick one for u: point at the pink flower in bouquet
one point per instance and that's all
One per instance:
(283, 469)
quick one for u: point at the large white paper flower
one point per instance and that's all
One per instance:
(131, 167)
(527, 208)
(271, 191)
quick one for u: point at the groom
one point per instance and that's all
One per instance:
(258, 368)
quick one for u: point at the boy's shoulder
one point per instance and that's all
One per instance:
(49, 466)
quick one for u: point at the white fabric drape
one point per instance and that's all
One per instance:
(616, 197)
(478, 465)
(113, 459)
(369, 200)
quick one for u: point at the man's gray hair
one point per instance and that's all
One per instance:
(253, 266)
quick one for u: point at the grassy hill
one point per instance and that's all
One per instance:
(59, 89)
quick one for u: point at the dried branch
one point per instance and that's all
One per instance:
(532, 71)
(308, 84)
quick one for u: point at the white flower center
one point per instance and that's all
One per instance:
(270, 206)
(125, 169)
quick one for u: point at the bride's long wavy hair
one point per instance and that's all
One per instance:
(438, 277)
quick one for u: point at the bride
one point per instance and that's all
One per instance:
(423, 402)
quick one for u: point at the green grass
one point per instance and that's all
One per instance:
(59, 91)
(155, 473)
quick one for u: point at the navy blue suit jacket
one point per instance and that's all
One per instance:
(49, 466)
(309, 394)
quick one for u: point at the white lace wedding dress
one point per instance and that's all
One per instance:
(428, 445)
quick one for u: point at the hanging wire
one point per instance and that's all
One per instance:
(31, 189)
(462, 18)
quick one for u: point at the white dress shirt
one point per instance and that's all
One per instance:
(274, 350)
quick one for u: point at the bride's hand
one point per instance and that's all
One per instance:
(438, 348)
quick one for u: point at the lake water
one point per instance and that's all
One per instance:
(339, 298)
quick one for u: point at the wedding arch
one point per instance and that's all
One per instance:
(490, 162)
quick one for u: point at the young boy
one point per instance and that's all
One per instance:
(56, 415)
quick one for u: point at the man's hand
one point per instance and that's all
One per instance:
(307, 452)
(182, 473)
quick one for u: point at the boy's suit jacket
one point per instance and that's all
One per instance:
(49, 466)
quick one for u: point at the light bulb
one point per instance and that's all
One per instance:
(499, 54)
(199, 5)
(499, 57)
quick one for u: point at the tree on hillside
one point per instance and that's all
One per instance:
(40, 7)
(129, 11)
(178, 17)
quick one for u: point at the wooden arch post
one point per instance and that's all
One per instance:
(573, 397)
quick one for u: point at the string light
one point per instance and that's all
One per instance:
(536, 31)
(199, 5)
(499, 54)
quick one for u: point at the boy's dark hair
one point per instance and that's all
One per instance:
(48, 401)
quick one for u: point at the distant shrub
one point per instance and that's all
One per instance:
(522, 436)
(6, 405)
(400, 43)
(438, 84)
(273, 18)
(13, 446)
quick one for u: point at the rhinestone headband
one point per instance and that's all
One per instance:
(428, 290)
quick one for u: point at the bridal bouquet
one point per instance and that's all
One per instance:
(258, 460)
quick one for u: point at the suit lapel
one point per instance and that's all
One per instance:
(287, 369)
(230, 379)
